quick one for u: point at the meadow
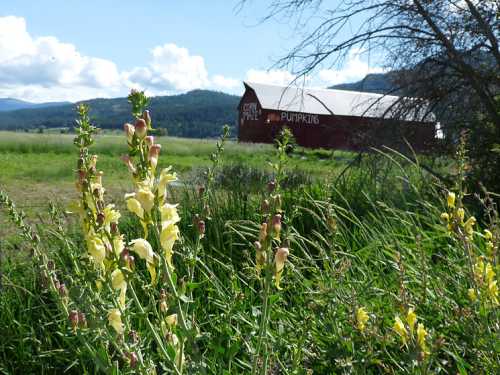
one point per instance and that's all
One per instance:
(280, 264)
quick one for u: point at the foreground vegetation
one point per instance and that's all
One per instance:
(381, 269)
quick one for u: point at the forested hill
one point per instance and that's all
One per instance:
(198, 114)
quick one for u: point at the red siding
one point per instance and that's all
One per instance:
(328, 131)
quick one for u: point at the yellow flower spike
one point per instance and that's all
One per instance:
(168, 236)
(115, 320)
(96, 250)
(400, 329)
(411, 318)
(118, 282)
(146, 198)
(143, 248)
(421, 336)
(451, 199)
(471, 293)
(362, 318)
(460, 214)
(488, 235)
(133, 205)
(169, 215)
(279, 262)
(445, 216)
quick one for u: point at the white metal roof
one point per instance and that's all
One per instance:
(322, 101)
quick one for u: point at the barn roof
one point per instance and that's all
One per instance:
(339, 102)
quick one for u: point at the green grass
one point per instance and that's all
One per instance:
(387, 251)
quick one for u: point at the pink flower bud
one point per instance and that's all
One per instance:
(271, 185)
(201, 190)
(276, 222)
(100, 218)
(265, 206)
(141, 128)
(73, 318)
(132, 357)
(201, 228)
(63, 292)
(129, 131)
(150, 140)
(82, 319)
(114, 229)
(263, 232)
(128, 162)
(154, 152)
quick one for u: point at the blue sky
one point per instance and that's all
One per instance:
(74, 49)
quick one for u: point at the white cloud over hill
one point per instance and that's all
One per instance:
(43, 68)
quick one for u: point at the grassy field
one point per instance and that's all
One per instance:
(366, 247)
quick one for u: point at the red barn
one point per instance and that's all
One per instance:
(330, 118)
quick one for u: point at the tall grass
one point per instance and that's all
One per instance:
(371, 239)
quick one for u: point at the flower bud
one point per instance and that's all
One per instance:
(163, 306)
(154, 152)
(128, 162)
(100, 218)
(260, 256)
(460, 214)
(93, 161)
(132, 358)
(201, 190)
(141, 128)
(63, 292)
(146, 117)
(74, 318)
(82, 320)
(133, 336)
(149, 140)
(114, 229)
(171, 320)
(451, 200)
(445, 216)
(487, 235)
(263, 232)
(276, 223)
(271, 186)
(50, 265)
(129, 131)
(201, 228)
(279, 263)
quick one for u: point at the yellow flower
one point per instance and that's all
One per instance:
(118, 244)
(279, 262)
(411, 318)
(451, 200)
(468, 226)
(96, 249)
(118, 282)
(146, 198)
(134, 206)
(110, 215)
(460, 214)
(421, 335)
(361, 318)
(488, 235)
(471, 293)
(169, 215)
(445, 217)
(490, 274)
(168, 236)
(400, 329)
(165, 179)
(145, 251)
(171, 320)
(493, 292)
(115, 320)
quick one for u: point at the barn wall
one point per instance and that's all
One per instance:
(338, 132)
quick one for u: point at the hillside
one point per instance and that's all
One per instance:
(197, 114)
(377, 83)
(9, 104)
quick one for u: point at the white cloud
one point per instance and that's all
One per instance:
(171, 69)
(353, 69)
(272, 77)
(226, 83)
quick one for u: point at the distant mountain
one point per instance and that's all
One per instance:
(9, 104)
(198, 113)
(381, 83)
